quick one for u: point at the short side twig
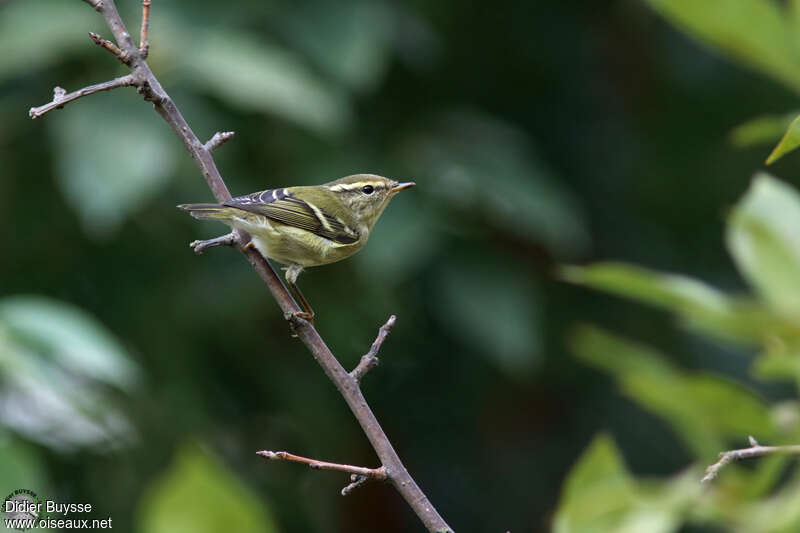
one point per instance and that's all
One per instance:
(61, 98)
(357, 481)
(374, 473)
(96, 4)
(122, 55)
(219, 138)
(370, 359)
(755, 450)
(359, 474)
(229, 239)
(144, 43)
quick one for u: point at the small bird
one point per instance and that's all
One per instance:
(304, 226)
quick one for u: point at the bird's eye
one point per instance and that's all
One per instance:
(367, 189)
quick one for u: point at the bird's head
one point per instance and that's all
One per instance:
(366, 195)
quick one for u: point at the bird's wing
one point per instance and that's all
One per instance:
(279, 205)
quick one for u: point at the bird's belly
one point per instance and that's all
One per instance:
(290, 245)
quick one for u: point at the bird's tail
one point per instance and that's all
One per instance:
(209, 211)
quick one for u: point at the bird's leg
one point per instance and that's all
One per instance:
(307, 313)
(199, 247)
(292, 272)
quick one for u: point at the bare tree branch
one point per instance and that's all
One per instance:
(755, 450)
(61, 98)
(370, 359)
(148, 85)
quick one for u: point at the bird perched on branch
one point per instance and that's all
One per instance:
(304, 226)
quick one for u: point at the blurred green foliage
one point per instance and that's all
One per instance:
(762, 35)
(196, 493)
(601, 495)
(704, 410)
(140, 378)
(59, 367)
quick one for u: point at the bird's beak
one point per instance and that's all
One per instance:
(400, 186)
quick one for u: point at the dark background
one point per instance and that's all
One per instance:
(538, 133)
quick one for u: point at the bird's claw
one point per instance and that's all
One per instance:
(308, 317)
(297, 318)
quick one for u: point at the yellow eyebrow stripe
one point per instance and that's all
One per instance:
(357, 186)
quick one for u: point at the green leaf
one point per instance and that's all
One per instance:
(199, 494)
(113, 157)
(779, 361)
(701, 306)
(598, 492)
(756, 32)
(58, 365)
(619, 357)
(704, 410)
(776, 513)
(68, 337)
(494, 311)
(789, 142)
(761, 130)
(764, 240)
(600, 496)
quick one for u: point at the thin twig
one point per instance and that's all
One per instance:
(357, 481)
(61, 98)
(219, 138)
(755, 450)
(347, 386)
(378, 474)
(144, 44)
(111, 47)
(370, 359)
(359, 475)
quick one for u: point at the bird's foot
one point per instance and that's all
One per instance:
(297, 318)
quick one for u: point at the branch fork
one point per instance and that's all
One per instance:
(359, 474)
(755, 450)
(125, 56)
